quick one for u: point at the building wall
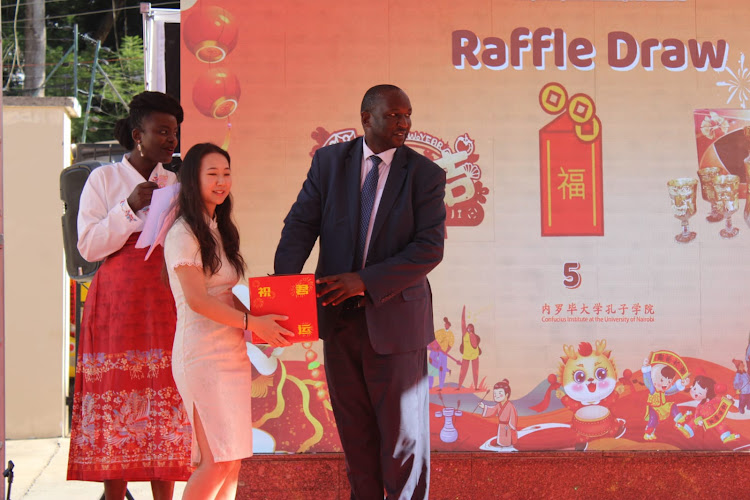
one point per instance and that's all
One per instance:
(36, 148)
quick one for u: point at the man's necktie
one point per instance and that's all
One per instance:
(369, 188)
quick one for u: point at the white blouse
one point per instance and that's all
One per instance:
(105, 220)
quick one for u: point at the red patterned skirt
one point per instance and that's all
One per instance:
(128, 419)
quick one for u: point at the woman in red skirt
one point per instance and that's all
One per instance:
(129, 423)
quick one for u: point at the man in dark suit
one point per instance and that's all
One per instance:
(380, 234)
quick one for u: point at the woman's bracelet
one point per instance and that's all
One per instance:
(244, 322)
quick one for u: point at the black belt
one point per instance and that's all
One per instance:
(354, 303)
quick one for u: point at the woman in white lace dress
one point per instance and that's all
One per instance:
(210, 364)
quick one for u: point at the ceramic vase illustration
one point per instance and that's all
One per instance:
(448, 433)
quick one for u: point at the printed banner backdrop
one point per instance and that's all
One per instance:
(598, 230)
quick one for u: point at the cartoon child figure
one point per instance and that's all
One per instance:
(661, 380)
(433, 369)
(710, 412)
(742, 385)
(507, 416)
(438, 354)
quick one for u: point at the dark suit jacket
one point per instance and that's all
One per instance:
(407, 241)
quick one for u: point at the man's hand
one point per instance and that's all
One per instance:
(339, 287)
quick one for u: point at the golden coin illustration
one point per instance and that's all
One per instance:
(588, 132)
(581, 108)
(553, 98)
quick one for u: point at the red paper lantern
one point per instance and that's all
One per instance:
(216, 93)
(210, 33)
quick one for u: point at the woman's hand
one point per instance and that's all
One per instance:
(267, 328)
(141, 195)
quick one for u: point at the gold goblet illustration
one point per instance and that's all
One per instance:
(682, 193)
(727, 189)
(706, 176)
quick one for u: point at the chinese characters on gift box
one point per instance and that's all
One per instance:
(598, 312)
(290, 295)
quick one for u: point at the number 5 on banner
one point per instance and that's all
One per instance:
(572, 276)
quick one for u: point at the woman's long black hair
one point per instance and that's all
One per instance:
(192, 209)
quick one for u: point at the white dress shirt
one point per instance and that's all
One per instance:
(105, 220)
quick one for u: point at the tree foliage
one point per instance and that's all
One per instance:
(117, 24)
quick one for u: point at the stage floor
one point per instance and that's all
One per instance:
(476, 476)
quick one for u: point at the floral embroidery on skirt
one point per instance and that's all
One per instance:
(128, 418)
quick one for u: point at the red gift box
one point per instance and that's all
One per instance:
(292, 295)
(570, 154)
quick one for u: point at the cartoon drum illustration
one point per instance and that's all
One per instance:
(593, 421)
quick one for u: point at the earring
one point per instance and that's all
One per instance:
(140, 151)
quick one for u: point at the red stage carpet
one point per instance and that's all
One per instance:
(476, 476)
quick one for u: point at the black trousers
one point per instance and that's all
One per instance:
(380, 403)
